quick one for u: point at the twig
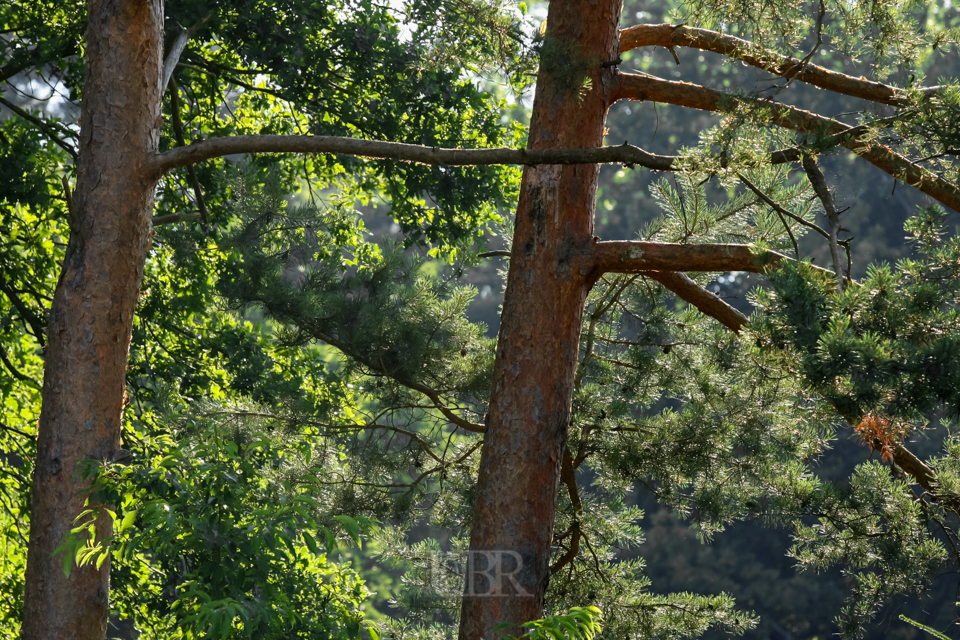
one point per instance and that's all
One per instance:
(781, 212)
(47, 127)
(568, 477)
(178, 132)
(669, 35)
(29, 317)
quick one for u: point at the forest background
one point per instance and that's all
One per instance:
(192, 348)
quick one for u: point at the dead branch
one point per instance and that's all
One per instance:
(178, 133)
(820, 187)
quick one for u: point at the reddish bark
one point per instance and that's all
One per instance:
(633, 256)
(91, 318)
(550, 274)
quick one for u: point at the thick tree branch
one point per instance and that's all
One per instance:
(623, 154)
(924, 475)
(623, 256)
(707, 302)
(684, 94)
(669, 36)
(174, 217)
(217, 147)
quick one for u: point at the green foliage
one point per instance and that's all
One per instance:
(217, 533)
(33, 234)
(887, 346)
(347, 69)
(580, 623)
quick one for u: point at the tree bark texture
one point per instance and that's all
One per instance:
(91, 318)
(537, 352)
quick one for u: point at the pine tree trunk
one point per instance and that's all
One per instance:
(509, 562)
(91, 318)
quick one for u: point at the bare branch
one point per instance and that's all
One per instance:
(706, 301)
(175, 217)
(684, 94)
(217, 147)
(173, 56)
(46, 126)
(178, 133)
(669, 36)
(176, 50)
(820, 187)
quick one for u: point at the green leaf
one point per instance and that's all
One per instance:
(128, 519)
(351, 526)
(311, 543)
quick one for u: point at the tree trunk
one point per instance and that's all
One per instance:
(91, 318)
(550, 274)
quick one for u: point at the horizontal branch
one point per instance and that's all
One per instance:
(670, 36)
(684, 94)
(707, 302)
(218, 147)
(626, 256)
(172, 218)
